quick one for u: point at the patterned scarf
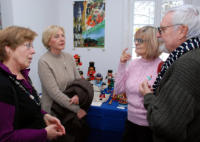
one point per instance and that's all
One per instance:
(185, 47)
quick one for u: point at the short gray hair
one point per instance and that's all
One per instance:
(188, 15)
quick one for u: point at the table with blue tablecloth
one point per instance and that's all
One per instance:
(106, 122)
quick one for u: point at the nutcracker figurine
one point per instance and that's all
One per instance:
(81, 74)
(78, 62)
(98, 80)
(110, 79)
(91, 71)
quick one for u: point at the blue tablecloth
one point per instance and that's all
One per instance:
(106, 122)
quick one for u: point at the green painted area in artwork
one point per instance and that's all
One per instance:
(100, 41)
(95, 28)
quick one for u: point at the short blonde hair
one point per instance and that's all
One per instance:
(148, 33)
(14, 36)
(48, 33)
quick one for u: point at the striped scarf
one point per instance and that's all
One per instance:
(185, 47)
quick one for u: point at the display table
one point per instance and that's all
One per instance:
(106, 122)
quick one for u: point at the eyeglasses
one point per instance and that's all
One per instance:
(161, 29)
(28, 45)
(139, 40)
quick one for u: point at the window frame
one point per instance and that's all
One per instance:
(157, 19)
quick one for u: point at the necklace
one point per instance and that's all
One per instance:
(32, 97)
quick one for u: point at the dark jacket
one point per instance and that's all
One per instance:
(77, 128)
(20, 117)
(174, 113)
(84, 90)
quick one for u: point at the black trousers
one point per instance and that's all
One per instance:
(136, 133)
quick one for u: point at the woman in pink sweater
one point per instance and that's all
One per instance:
(130, 76)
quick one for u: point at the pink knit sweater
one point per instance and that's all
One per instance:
(128, 79)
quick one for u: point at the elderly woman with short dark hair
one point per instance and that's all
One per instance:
(21, 116)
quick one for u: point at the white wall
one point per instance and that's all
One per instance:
(196, 2)
(38, 14)
(6, 12)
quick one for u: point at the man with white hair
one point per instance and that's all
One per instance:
(173, 103)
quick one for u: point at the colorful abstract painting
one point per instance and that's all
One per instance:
(89, 23)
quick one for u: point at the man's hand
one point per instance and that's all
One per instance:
(145, 88)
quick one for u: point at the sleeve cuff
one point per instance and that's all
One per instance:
(148, 98)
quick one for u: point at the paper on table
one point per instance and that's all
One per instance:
(96, 103)
(120, 107)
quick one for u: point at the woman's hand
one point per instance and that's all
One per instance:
(49, 120)
(81, 113)
(74, 100)
(125, 56)
(145, 88)
(53, 131)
